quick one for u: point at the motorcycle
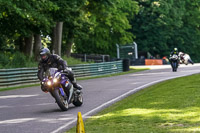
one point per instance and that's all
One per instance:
(174, 62)
(185, 58)
(61, 88)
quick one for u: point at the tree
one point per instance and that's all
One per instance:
(65, 15)
(161, 25)
(22, 19)
(110, 25)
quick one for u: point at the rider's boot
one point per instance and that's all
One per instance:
(77, 86)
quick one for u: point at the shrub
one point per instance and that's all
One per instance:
(18, 60)
(4, 59)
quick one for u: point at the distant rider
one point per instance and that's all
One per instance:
(49, 60)
(174, 52)
(184, 56)
(181, 56)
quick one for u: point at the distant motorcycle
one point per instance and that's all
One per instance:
(62, 89)
(174, 62)
(185, 58)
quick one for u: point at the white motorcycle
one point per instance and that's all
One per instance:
(185, 58)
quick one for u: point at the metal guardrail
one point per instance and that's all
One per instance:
(91, 57)
(25, 76)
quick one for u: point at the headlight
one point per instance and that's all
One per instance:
(49, 83)
(55, 80)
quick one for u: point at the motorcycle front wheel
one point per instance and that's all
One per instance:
(60, 100)
(174, 66)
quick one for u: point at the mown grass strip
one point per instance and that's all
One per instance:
(18, 87)
(172, 106)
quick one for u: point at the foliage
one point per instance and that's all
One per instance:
(15, 60)
(97, 26)
(162, 25)
(4, 60)
(110, 25)
(19, 60)
(73, 61)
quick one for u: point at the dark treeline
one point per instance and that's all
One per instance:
(96, 26)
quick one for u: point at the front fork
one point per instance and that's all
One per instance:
(71, 90)
(61, 92)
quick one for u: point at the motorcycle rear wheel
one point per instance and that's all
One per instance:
(78, 101)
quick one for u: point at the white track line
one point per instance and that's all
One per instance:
(115, 100)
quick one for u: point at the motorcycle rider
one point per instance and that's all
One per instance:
(174, 52)
(182, 58)
(49, 60)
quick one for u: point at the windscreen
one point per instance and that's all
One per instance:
(51, 72)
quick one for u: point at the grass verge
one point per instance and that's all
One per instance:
(172, 106)
(109, 75)
(18, 87)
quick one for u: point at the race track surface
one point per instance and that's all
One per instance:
(29, 110)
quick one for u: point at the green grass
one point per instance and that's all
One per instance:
(169, 107)
(18, 87)
(73, 61)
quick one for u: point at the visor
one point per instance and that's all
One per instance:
(44, 57)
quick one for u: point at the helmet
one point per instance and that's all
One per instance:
(44, 54)
(175, 49)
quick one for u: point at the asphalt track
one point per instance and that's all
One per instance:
(29, 110)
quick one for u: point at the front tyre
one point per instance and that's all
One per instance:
(62, 103)
(174, 66)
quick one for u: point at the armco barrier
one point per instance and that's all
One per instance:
(24, 76)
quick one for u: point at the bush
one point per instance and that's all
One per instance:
(18, 60)
(30, 62)
(4, 59)
(74, 61)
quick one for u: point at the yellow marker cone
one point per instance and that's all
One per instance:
(80, 125)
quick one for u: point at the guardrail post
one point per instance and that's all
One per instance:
(85, 57)
(80, 125)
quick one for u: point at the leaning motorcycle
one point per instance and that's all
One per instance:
(174, 62)
(62, 89)
(185, 59)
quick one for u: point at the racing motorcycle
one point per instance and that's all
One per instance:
(174, 62)
(62, 89)
(185, 58)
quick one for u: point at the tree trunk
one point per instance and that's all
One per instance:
(28, 50)
(37, 46)
(70, 43)
(57, 38)
(19, 43)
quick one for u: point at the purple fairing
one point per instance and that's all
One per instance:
(63, 79)
(45, 79)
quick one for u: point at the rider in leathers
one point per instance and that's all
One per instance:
(49, 60)
(175, 51)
